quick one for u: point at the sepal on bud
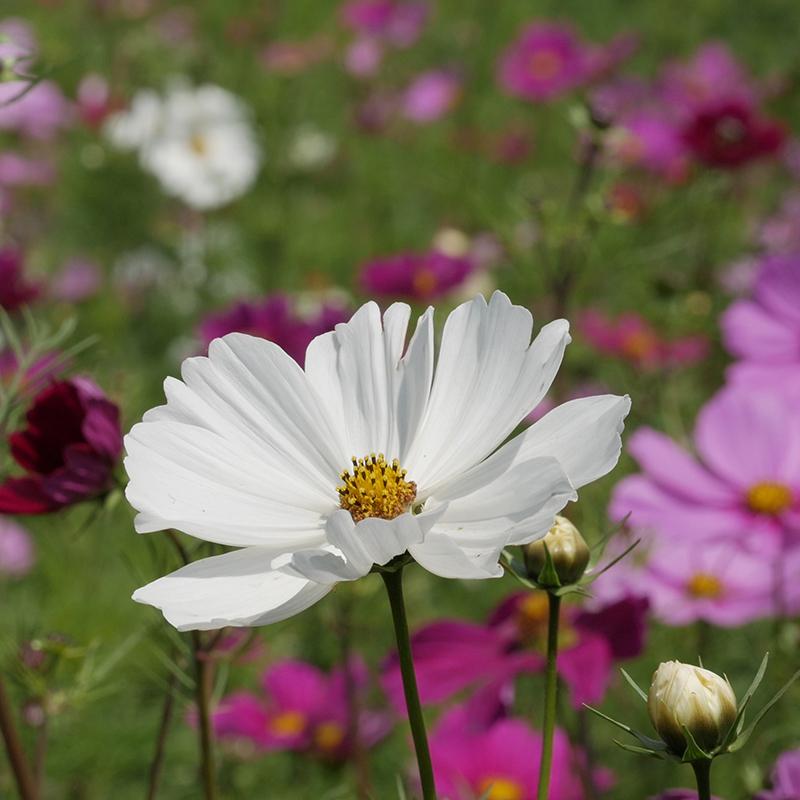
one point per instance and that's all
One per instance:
(560, 557)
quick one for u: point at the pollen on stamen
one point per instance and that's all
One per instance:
(376, 488)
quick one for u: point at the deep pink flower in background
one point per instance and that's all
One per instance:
(278, 319)
(95, 101)
(651, 141)
(546, 61)
(500, 763)
(513, 641)
(17, 553)
(744, 483)
(730, 134)
(634, 339)
(68, 449)
(302, 709)
(15, 289)
(430, 96)
(396, 22)
(414, 276)
(785, 778)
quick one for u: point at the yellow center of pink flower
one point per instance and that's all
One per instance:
(545, 64)
(287, 723)
(328, 735)
(531, 619)
(640, 344)
(376, 488)
(769, 497)
(704, 586)
(501, 789)
(425, 282)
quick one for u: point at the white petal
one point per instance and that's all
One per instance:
(584, 435)
(503, 501)
(374, 393)
(237, 589)
(443, 556)
(325, 565)
(488, 377)
(185, 477)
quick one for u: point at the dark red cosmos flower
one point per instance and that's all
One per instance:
(15, 291)
(68, 448)
(730, 134)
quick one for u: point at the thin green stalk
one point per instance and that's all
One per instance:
(550, 695)
(702, 773)
(204, 679)
(394, 588)
(23, 775)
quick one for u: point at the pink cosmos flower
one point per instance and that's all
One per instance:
(764, 331)
(396, 22)
(276, 318)
(39, 111)
(18, 170)
(16, 550)
(68, 449)
(304, 710)
(414, 276)
(785, 778)
(430, 96)
(95, 101)
(546, 61)
(781, 232)
(513, 641)
(363, 57)
(744, 483)
(651, 141)
(500, 762)
(634, 339)
(15, 289)
(79, 279)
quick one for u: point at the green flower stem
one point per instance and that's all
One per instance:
(702, 773)
(23, 775)
(204, 677)
(550, 695)
(394, 588)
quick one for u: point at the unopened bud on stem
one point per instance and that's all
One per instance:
(568, 551)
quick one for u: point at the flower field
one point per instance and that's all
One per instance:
(395, 397)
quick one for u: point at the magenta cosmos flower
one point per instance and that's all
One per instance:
(304, 710)
(68, 449)
(634, 339)
(500, 763)
(764, 331)
(730, 134)
(397, 23)
(430, 96)
(785, 778)
(744, 482)
(16, 550)
(277, 319)
(15, 289)
(546, 61)
(513, 641)
(415, 276)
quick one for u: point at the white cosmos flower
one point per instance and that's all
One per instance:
(198, 142)
(254, 452)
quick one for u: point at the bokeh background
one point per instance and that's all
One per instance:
(394, 160)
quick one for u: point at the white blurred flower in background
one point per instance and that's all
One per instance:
(198, 142)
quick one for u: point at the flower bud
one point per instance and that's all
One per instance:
(684, 695)
(567, 548)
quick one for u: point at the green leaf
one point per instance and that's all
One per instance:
(741, 740)
(591, 577)
(643, 751)
(635, 685)
(736, 728)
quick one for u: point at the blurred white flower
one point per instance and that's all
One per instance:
(198, 142)
(311, 148)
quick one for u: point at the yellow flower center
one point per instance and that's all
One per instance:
(287, 723)
(545, 64)
(328, 735)
(425, 282)
(769, 497)
(500, 789)
(704, 586)
(375, 488)
(198, 144)
(531, 618)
